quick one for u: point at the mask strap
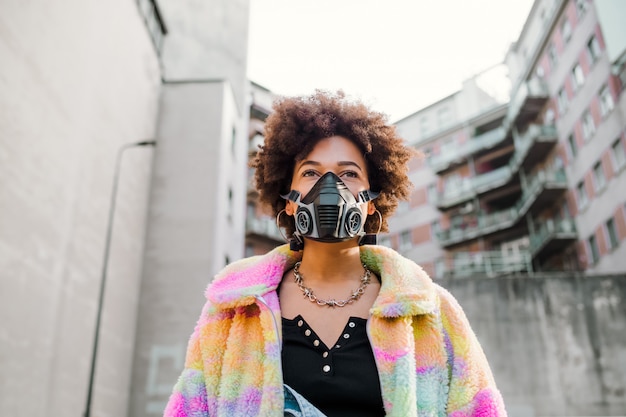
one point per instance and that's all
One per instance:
(372, 239)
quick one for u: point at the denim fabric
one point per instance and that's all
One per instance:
(297, 406)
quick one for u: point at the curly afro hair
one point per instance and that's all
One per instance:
(298, 123)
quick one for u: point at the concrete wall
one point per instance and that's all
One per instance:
(207, 40)
(197, 203)
(196, 226)
(78, 80)
(556, 344)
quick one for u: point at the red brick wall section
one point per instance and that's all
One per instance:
(601, 239)
(607, 166)
(620, 221)
(418, 197)
(421, 234)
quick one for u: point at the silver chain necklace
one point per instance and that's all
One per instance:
(308, 293)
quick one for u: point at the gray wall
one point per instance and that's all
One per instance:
(556, 345)
(196, 222)
(207, 40)
(78, 80)
(197, 199)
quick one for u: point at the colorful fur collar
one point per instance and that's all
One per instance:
(401, 294)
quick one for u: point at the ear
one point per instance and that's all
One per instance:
(290, 208)
(371, 208)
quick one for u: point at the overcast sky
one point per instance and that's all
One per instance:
(396, 55)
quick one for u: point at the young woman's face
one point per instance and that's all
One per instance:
(335, 154)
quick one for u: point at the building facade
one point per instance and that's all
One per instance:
(83, 83)
(532, 185)
(262, 232)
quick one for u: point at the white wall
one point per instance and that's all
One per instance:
(78, 79)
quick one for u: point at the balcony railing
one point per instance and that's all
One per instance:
(523, 143)
(481, 264)
(442, 161)
(469, 187)
(484, 224)
(264, 227)
(552, 229)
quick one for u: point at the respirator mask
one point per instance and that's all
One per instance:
(329, 212)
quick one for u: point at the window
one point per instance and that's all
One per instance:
(405, 240)
(435, 227)
(581, 8)
(562, 101)
(578, 77)
(443, 116)
(606, 101)
(448, 146)
(539, 72)
(552, 55)
(593, 249)
(566, 30)
(230, 205)
(432, 194)
(424, 126)
(548, 119)
(581, 195)
(611, 234)
(598, 176)
(593, 49)
(573, 147)
(618, 154)
(589, 127)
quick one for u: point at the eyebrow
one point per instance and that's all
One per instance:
(340, 163)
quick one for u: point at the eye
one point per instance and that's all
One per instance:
(309, 173)
(350, 174)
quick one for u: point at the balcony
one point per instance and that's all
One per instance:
(541, 190)
(469, 188)
(527, 103)
(538, 192)
(459, 154)
(484, 264)
(529, 149)
(264, 227)
(552, 236)
(533, 146)
(480, 225)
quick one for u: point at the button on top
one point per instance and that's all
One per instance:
(300, 323)
(346, 336)
(326, 368)
(307, 332)
(316, 343)
(351, 324)
(325, 355)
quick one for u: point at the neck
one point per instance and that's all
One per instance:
(330, 262)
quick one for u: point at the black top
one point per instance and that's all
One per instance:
(341, 381)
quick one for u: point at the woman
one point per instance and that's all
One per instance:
(330, 324)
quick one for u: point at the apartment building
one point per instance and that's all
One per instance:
(538, 183)
(262, 233)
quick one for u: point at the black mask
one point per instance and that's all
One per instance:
(329, 212)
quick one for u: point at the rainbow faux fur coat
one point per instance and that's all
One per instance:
(429, 360)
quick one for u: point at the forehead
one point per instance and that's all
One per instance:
(335, 148)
